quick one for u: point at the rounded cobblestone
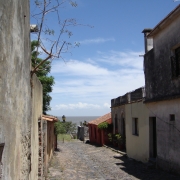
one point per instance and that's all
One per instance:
(79, 161)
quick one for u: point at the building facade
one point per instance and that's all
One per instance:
(132, 118)
(162, 84)
(96, 135)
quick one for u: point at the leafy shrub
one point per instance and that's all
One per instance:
(103, 125)
(110, 137)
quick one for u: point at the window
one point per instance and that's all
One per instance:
(135, 129)
(172, 117)
(175, 63)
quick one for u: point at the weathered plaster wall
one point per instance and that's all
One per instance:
(120, 111)
(15, 90)
(168, 133)
(36, 115)
(137, 147)
(50, 140)
(158, 76)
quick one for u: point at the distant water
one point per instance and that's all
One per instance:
(78, 119)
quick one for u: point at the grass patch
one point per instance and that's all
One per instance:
(66, 137)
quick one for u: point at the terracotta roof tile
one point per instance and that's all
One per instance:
(105, 118)
(49, 118)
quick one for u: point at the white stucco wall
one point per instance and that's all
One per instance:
(137, 147)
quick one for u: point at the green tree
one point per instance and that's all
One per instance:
(59, 128)
(65, 127)
(42, 73)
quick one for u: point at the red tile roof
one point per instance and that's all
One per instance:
(49, 118)
(105, 118)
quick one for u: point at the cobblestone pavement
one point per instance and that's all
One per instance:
(79, 161)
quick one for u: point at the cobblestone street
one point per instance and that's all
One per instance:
(79, 161)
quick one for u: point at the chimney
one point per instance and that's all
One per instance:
(148, 42)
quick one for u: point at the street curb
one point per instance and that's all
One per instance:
(120, 152)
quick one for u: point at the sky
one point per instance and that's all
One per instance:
(107, 64)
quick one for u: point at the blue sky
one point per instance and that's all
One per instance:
(107, 63)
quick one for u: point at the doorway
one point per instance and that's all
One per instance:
(152, 138)
(123, 130)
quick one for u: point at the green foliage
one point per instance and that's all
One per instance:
(70, 127)
(65, 127)
(42, 73)
(110, 137)
(119, 138)
(103, 125)
(116, 138)
(59, 128)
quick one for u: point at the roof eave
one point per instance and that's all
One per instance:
(163, 23)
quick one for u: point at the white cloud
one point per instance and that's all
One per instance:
(96, 41)
(128, 59)
(79, 105)
(96, 80)
(107, 105)
(78, 68)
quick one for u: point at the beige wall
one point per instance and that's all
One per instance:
(168, 133)
(137, 147)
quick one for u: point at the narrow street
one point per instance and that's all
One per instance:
(76, 160)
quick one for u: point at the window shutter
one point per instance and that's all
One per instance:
(173, 67)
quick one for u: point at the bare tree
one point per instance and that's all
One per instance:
(49, 46)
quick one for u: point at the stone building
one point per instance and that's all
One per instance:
(162, 85)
